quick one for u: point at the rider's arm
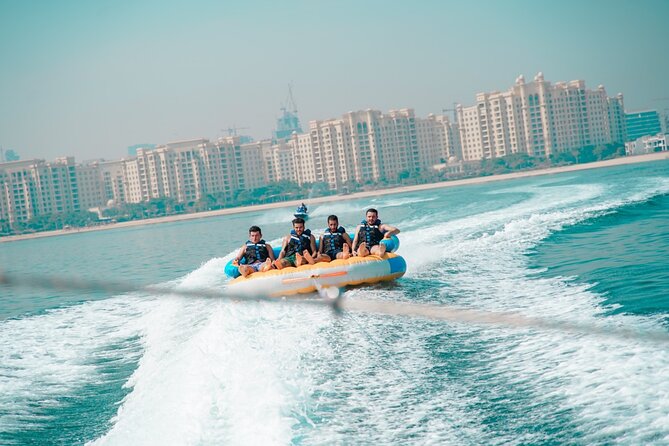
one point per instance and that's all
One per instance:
(347, 239)
(283, 249)
(389, 230)
(313, 243)
(270, 252)
(240, 254)
(355, 240)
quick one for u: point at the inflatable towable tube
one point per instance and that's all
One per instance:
(392, 244)
(306, 278)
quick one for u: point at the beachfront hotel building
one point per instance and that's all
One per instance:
(648, 144)
(35, 187)
(90, 186)
(642, 123)
(189, 170)
(369, 145)
(113, 184)
(186, 171)
(366, 146)
(170, 170)
(539, 119)
(278, 161)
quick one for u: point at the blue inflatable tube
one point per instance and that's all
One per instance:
(392, 243)
(233, 271)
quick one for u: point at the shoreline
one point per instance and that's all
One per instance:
(331, 198)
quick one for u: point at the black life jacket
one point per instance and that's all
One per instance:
(255, 252)
(298, 244)
(333, 241)
(370, 234)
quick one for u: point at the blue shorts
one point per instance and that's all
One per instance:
(256, 265)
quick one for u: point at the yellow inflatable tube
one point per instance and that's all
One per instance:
(306, 278)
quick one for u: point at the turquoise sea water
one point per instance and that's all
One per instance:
(588, 247)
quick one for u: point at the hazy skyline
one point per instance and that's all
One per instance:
(89, 79)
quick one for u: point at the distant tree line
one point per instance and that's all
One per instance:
(271, 193)
(50, 222)
(523, 161)
(288, 190)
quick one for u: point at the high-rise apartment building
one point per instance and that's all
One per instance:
(113, 184)
(278, 160)
(188, 170)
(34, 187)
(90, 185)
(617, 119)
(642, 123)
(442, 134)
(369, 145)
(172, 170)
(253, 170)
(539, 119)
(305, 154)
(19, 184)
(222, 169)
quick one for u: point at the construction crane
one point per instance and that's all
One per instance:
(290, 101)
(232, 131)
(454, 110)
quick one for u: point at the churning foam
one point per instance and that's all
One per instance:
(237, 373)
(615, 387)
(216, 371)
(47, 356)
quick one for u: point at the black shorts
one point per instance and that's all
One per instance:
(333, 254)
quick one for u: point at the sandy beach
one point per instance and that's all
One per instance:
(477, 180)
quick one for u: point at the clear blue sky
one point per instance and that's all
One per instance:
(89, 78)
